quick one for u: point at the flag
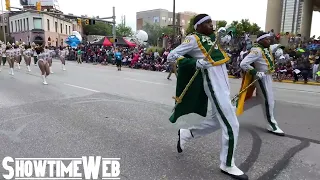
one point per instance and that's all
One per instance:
(231, 31)
(195, 99)
(247, 79)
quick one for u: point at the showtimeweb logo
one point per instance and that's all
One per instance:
(61, 168)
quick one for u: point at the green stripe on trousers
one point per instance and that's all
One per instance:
(225, 121)
(266, 103)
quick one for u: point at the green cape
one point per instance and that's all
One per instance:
(195, 99)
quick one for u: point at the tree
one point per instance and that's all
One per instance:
(99, 28)
(220, 24)
(190, 28)
(122, 30)
(155, 32)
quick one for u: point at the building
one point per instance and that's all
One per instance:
(291, 16)
(4, 23)
(46, 4)
(184, 20)
(163, 18)
(49, 30)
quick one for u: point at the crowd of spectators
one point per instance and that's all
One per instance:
(298, 62)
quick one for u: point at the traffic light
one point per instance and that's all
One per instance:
(79, 21)
(87, 21)
(8, 5)
(38, 6)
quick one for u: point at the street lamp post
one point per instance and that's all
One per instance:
(4, 26)
(174, 18)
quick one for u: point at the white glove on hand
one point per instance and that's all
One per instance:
(226, 39)
(202, 64)
(260, 74)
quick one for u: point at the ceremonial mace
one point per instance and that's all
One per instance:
(179, 99)
(235, 98)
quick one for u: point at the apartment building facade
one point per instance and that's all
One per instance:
(42, 29)
(291, 16)
(163, 18)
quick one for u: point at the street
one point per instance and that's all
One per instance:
(99, 111)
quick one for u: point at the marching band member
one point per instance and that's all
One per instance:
(43, 64)
(62, 55)
(49, 53)
(35, 55)
(213, 84)
(259, 63)
(16, 51)
(10, 55)
(1, 52)
(4, 58)
(27, 53)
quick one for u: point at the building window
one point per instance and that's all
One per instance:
(155, 19)
(21, 25)
(11, 26)
(61, 41)
(24, 24)
(28, 24)
(183, 22)
(56, 26)
(69, 29)
(5, 29)
(48, 24)
(61, 28)
(66, 29)
(37, 23)
(163, 18)
(15, 23)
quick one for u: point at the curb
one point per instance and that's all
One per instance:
(288, 81)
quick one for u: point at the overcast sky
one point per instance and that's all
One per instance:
(228, 10)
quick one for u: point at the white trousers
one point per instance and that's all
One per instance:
(264, 96)
(216, 85)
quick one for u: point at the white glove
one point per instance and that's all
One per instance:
(226, 39)
(202, 64)
(222, 30)
(260, 74)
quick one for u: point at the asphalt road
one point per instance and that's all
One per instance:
(97, 110)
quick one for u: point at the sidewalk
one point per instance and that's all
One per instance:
(289, 81)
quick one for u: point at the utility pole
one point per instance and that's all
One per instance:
(174, 18)
(3, 27)
(114, 26)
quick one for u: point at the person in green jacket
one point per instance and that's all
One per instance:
(79, 55)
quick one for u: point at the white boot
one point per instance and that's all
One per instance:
(63, 67)
(184, 136)
(18, 66)
(44, 80)
(11, 71)
(278, 131)
(51, 70)
(233, 172)
(28, 67)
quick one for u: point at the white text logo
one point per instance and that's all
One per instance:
(61, 168)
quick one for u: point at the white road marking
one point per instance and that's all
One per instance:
(81, 87)
(150, 82)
